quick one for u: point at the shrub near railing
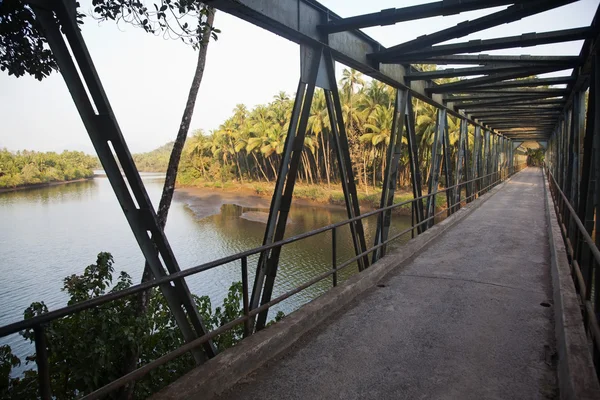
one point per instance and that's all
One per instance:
(89, 349)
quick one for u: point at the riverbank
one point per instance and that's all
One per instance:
(207, 197)
(43, 185)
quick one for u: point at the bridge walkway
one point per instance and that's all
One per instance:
(466, 319)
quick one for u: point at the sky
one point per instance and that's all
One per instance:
(147, 78)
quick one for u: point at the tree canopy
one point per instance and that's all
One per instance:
(24, 49)
(30, 167)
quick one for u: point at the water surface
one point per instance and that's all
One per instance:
(54, 232)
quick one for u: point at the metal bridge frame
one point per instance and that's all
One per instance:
(502, 111)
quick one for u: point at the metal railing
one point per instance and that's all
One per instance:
(39, 322)
(584, 259)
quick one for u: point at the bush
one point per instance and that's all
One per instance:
(89, 349)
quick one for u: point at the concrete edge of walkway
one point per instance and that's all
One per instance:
(576, 374)
(226, 369)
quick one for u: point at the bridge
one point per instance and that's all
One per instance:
(498, 300)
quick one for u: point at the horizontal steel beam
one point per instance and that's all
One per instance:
(501, 96)
(559, 80)
(486, 70)
(502, 103)
(510, 14)
(476, 91)
(489, 79)
(395, 15)
(486, 59)
(520, 118)
(474, 46)
(510, 108)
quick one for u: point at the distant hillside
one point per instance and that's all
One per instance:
(156, 160)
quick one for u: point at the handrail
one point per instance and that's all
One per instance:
(583, 282)
(37, 323)
(100, 300)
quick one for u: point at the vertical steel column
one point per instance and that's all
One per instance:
(261, 269)
(415, 171)
(436, 164)
(284, 187)
(577, 122)
(448, 168)
(476, 162)
(342, 149)
(105, 134)
(468, 175)
(486, 161)
(390, 179)
(460, 159)
(589, 189)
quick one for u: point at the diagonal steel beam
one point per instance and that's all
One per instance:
(82, 79)
(512, 13)
(268, 263)
(390, 179)
(474, 46)
(394, 15)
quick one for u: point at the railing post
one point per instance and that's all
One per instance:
(334, 256)
(41, 359)
(246, 301)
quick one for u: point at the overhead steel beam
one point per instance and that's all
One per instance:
(485, 70)
(510, 107)
(508, 91)
(489, 79)
(514, 113)
(503, 103)
(394, 15)
(503, 96)
(512, 13)
(474, 46)
(491, 121)
(450, 88)
(486, 59)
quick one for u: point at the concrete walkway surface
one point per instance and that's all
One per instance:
(468, 318)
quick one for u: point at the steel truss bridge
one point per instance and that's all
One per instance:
(495, 94)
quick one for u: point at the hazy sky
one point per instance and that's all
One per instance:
(147, 78)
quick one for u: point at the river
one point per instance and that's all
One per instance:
(53, 232)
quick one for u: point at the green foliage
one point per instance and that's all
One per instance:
(535, 157)
(29, 167)
(24, 49)
(156, 160)
(249, 144)
(88, 349)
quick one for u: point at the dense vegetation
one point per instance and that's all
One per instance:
(156, 160)
(88, 350)
(249, 144)
(30, 167)
(535, 157)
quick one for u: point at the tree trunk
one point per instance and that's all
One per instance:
(325, 158)
(260, 167)
(169, 185)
